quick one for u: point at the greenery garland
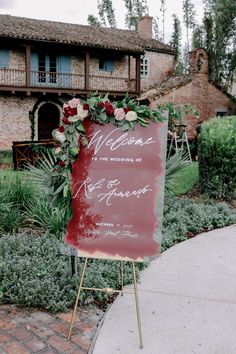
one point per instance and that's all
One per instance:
(69, 136)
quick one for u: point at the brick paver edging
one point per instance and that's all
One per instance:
(33, 331)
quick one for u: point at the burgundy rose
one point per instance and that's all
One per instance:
(68, 111)
(62, 163)
(107, 103)
(61, 129)
(127, 109)
(86, 107)
(101, 104)
(66, 121)
(109, 109)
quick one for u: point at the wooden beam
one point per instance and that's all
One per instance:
(86, 70)
(27, 64)
(138, 74)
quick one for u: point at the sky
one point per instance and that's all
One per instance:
(76, 11)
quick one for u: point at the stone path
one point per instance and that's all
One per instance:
(25, 331)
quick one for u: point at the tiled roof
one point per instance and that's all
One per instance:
(164, 87)
(67, 33)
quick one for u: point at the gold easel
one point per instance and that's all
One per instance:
(110, 291)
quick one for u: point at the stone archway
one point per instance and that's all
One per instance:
(48, 119)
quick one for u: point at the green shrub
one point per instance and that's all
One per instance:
(11, 218)
(184, 218)
(6, 157)
(44, 214)
(16, 188)
(217, 157)
(36, 272)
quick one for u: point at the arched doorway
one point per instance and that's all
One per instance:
(48, 119)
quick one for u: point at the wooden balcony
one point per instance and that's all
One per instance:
(38, 81)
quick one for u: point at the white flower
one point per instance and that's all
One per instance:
(59, 136)
(74, 102)
(81, 114)
(131, 116)
(119, 114)
(58, 149)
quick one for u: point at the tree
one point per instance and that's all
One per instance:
(220, 40)
(106, 13)
(135, 10)
(188, 17)
(93, 20)
(176, 44)
(163, 11)
(198, 37)
(156, 32)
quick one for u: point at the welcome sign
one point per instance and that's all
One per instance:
(117, 192)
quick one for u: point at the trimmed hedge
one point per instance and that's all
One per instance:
(184, 218)
(217, 157)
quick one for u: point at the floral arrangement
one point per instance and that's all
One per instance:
(71, 134)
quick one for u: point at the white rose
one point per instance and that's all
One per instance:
(58, 149)
(131, 116)
(81, 114)
(59, 136)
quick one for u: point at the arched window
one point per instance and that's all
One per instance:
(48, 119)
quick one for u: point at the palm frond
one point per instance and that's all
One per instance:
(173, 165)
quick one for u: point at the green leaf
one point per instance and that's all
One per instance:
(125, 127)
(80, 127)
(142, 120)
(74, 151)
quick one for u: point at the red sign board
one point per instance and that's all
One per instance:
(117, 192)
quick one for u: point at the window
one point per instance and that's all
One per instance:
(144, 67)
(221, 113)
(47, 63)
(50, 70)
(4, 58)
(106, 65)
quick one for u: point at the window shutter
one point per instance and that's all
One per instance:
(109, 65)
(63, 68)
(34, 63)
(34, 66)
(4, 58)
(64, 64)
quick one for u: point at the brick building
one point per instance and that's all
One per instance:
(44, 63)
(195, 89)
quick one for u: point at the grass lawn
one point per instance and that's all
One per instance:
(185, 179)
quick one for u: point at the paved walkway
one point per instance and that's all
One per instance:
(187, 299)
(27, 332)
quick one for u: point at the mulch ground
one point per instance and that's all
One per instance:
(33, 331)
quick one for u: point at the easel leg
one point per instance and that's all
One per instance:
(122, 276)
(137, 307)
(77, 298)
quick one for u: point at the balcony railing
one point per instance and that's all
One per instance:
(17, 78)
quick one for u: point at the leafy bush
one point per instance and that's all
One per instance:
(184, 218)
(217, 157)
(6, 157)
(44, 214)
(11, 218)
(35, 272)
(16, 188)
